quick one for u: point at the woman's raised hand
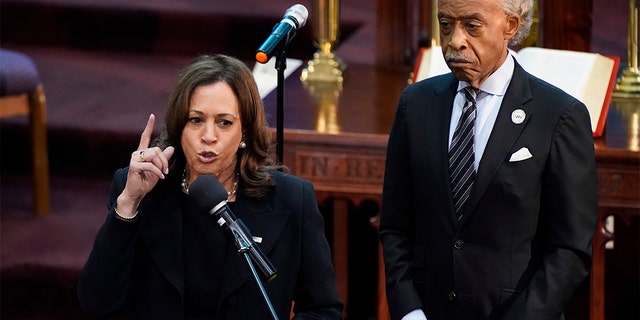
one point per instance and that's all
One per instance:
(146, 167)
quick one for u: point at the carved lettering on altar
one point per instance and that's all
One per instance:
(610, 184)
(344, 168)
(311, 166)
(617, 184)
(367, 169)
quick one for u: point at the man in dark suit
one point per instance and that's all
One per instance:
(510, 237)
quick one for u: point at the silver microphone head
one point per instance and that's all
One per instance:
(298, 14)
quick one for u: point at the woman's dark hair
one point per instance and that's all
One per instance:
(254, 161)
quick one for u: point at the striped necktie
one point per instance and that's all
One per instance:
(461, 156)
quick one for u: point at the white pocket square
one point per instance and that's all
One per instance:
(520, 155)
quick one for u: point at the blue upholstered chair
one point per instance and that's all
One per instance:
(22, 93)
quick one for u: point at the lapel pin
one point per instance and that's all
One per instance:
(517, 116)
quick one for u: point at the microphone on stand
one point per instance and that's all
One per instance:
(209, 194)
(294, 19)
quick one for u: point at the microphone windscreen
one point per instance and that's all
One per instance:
(299, 13)
(207, 192)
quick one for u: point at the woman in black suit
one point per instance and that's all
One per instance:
(161, 256)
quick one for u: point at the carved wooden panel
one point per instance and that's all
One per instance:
(619, 196)
(349, 164)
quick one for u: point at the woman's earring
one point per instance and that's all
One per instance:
(243, 145)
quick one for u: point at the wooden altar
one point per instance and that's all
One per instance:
(337, 139)
(618, 161)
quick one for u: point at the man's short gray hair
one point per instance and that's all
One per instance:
(522, 9)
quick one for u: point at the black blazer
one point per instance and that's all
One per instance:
(137, 267)
(523, 245)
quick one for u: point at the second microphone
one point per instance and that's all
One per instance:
(207, 192)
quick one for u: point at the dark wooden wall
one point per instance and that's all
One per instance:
(403, 26)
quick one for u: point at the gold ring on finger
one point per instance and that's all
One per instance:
(142, 155)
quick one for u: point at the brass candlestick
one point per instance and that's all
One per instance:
(628, 86)
(325, 66)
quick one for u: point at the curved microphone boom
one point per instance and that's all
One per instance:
(294, 19)
(208, 194)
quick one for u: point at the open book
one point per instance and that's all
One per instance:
(590, 77)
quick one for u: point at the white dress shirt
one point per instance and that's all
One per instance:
(488, 101)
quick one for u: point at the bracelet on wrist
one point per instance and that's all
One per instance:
(115, 209)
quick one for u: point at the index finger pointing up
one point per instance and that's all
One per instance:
(145, 138)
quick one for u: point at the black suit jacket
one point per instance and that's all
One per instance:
(524, 243)
(137, 267)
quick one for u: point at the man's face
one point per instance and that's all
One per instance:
(474, 35)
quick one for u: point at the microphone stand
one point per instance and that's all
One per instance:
(281, 65)
(243, 248)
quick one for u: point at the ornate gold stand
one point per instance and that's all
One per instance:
(323, 75)
(325, 66)
(628, 86)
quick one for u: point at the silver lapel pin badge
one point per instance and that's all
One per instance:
(518, 116)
